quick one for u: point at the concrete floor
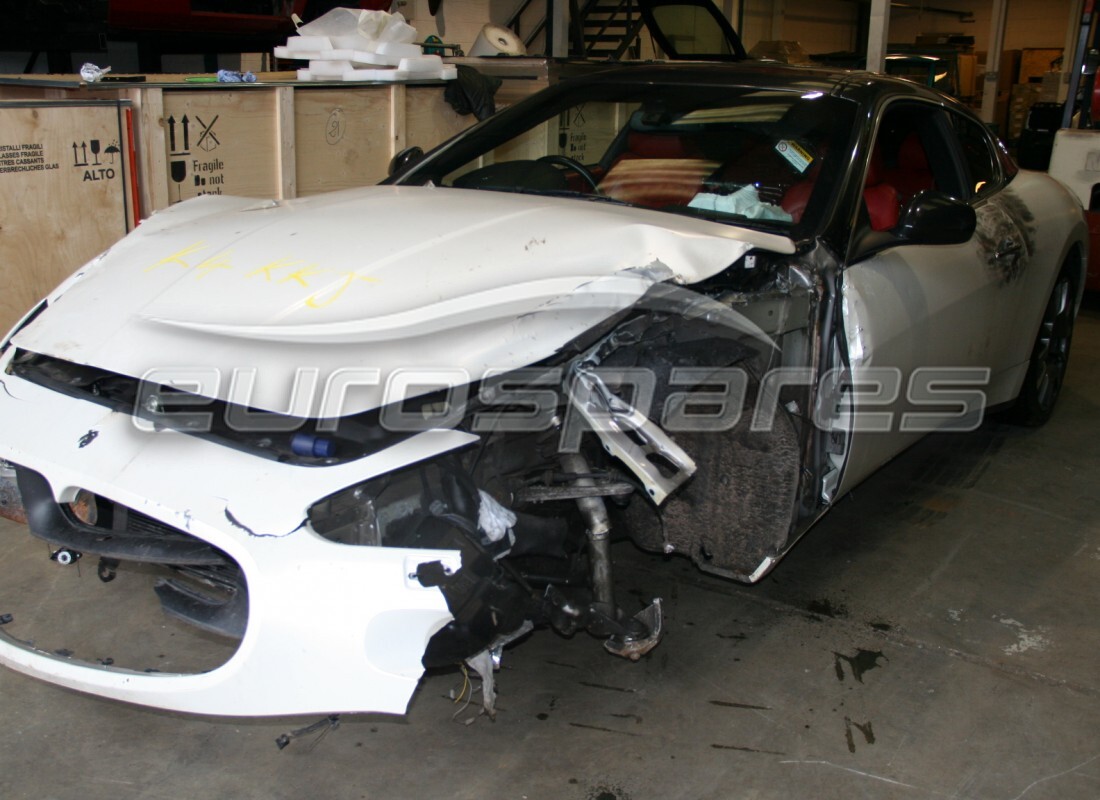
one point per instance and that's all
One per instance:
(935, 636)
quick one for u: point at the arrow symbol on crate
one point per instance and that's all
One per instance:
(171, 134)
(186, 131)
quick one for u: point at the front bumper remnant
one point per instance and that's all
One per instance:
(327, 627)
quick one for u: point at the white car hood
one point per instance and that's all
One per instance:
(380, 278)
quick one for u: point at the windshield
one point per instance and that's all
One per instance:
(759, 156)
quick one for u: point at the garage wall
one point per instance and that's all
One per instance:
(1031, 23)
(756, 22)
(823, 27)
(458, 21)
(820, 27)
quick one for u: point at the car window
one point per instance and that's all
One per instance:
(691, 30)
(912, 152)
(978, 153)
(749, 156)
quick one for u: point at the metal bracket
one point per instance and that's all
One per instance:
(634, 647)
(629, 435)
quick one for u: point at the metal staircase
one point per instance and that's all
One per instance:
(609, 29)
(600, 29)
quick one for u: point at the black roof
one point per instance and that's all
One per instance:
(854, 85)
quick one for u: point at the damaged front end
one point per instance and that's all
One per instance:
(336, 555)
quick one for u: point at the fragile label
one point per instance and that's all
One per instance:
(24, 158)
(796, 155)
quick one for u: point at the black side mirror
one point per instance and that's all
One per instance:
(406, 159)
(933, 217)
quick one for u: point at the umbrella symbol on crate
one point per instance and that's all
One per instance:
(112, 150)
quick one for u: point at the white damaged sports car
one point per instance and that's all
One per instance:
(396, 427)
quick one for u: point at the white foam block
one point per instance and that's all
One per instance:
(400, 49)
(421, 64)
(297, 44)
(329, 69)
(354, 41)
(373, 59)
(302, 55)
(359, 75)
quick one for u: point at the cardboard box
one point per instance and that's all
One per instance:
(65, 193)
(1036, 62)
(968, 68)
(1024, 95)
(785, 52)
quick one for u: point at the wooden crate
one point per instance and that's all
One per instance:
(429, 120)
(342, 139)
(277, 138)
(65, 193)
(224, 142)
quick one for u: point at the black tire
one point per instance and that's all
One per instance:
(1049, 357)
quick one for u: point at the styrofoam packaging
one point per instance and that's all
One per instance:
(448, 73)
(305, 75)
(372, 59)
(297, 44)
(371, 23)
(307, 55)
(400, 50)
(353, 41)
(421, 64)
(359, 75)
(399, 31)
(337, 22)
(329, 69)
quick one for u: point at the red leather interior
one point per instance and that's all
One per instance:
(657, 170)
(881, 198)
(911, 174)
(882, 206)
(797, 196)
(658, 145)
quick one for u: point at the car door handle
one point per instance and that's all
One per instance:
(1007, 248)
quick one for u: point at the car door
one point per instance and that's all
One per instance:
(924, 323)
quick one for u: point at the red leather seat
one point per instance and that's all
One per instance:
(797, 196)
(911, 173)
(881, 199)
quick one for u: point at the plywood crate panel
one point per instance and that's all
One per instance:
(64, 194)
(342, 138)
(429, 119)
(221, 142)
